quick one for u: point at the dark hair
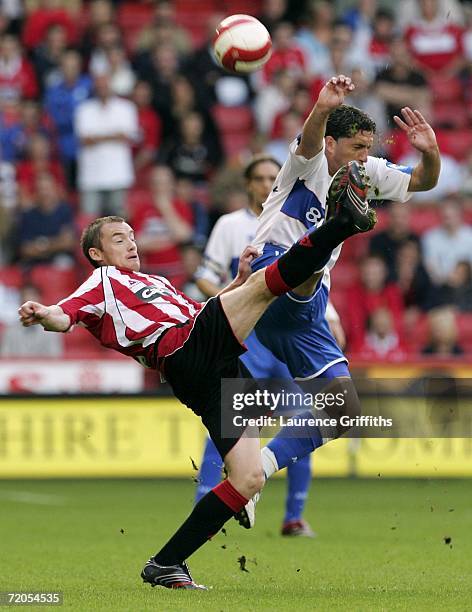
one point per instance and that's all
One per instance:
(345, 121)
(384, 13)
(255, 161)
(91, 236)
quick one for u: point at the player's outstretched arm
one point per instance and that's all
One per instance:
(331, 96)
(52, 318)
(421, 136)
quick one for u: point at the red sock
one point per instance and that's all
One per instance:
(230, 496)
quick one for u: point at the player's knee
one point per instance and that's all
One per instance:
(248, 482)
(255, 480)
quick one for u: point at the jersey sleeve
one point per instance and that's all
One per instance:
(388, 181)
(216, 264)
(297, 166)
(86, 305)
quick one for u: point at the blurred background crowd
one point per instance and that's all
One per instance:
(119, 108)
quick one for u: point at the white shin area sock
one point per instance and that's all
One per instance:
(269, 462)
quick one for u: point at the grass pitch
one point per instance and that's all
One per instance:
(381, 545)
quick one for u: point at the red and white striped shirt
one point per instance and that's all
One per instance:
(131, 312)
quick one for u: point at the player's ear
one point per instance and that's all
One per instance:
(96, 254)
(330, 144)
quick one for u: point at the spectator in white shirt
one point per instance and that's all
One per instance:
(106, 127)
(447, 245)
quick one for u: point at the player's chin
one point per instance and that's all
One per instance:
(133, 264)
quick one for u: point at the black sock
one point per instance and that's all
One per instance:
(307, 256)
(207, 518)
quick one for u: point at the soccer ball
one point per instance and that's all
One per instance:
(242, 44)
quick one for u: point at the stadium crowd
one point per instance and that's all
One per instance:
(119, 108)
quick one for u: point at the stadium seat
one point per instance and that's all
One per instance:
(345, 273)
(424, 219)
(446, 89)
(81, 344)
(196, 23)
(134, 15)
(415, 342)
(243, 7)
(236, 127)
(190, 6)
(456, 143)
(339, 297)
(464, 328)
(355, 248)
(54, 283)
(233, 119)
(11, 276)
(135, 196)
(132, 18)
(450, 115)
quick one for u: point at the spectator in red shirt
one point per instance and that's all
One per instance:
(435, 43)
(286, 54)
(38, 162)
(301, 104)
(372, 292)
(46, 15)
(150, 129)
(163, 223)
(17, 77)
(382, 35)
(381, 341)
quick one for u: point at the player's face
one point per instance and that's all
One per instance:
(262, 179)
(118, 247)
(342, 151)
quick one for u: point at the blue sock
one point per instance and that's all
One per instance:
(298, 481)
(210, 470)
(293, 443)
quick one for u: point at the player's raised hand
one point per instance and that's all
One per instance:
(333, 93)
(420, 134)
(244, 268)
(32, 313)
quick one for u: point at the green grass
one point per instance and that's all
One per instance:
(379, 547)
